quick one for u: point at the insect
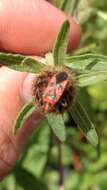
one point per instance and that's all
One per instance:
(54, 90)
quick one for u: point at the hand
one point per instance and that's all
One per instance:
(27, 27)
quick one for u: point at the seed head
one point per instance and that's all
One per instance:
(54, 90)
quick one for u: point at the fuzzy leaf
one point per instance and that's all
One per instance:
(56, 123)
(91, 77)
(61, 44)
(20, 63)
(49, 60)
(24, 114)
(57, 3)
(69, 6)
(87, 61)
(84, 123)
(8, 58)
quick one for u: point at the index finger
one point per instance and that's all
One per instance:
(30, 27)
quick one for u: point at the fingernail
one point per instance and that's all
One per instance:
(26, 88)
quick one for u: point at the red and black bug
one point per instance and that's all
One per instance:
(54, 90)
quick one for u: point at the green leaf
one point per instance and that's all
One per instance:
(84, 123)
(20, 63)
(57, 125)
(49, 60)
(27, 180)
(84, 11)
(87, 61)
(91, 77)
(61, 44)
(29, 65)
(69, 6)
(24, 114)
(89, 48)
(63, 5)
(9, 58)
(57, 3)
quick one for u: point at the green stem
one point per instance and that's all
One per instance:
(14, 183)
(60, 164)
(48, 153)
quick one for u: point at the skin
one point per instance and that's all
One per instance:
(28, 27)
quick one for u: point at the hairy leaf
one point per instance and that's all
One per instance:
(57, 3)
(91, 77)
(25, 113)
(69, 6)
(20, 63)
(56, 123)
(87, 61)
(61, 44)
(49, 60)
(84, 123)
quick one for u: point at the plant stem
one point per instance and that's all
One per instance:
(60, 164)
(48, 152)
(14, 183)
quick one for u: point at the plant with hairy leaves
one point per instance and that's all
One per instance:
(88, 69)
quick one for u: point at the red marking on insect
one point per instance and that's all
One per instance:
(54, 90)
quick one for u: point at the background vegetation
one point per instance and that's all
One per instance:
(85, 168)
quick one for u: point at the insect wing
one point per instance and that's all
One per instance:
(50, 92)
(54, 91)
(60, 87)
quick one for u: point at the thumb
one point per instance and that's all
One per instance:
(12, 98)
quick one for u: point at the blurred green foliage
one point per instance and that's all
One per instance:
(85, 168)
